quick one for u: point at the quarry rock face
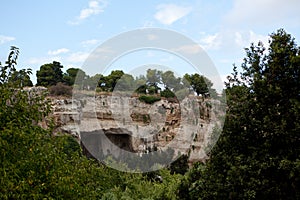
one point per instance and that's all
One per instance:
(113, 121)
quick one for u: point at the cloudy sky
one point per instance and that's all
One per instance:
(68, 31)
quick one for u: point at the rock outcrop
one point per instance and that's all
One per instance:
(135, 126)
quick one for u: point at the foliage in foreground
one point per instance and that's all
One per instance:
(257, 155)
(34, 164)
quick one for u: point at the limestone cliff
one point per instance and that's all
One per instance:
(135, 126)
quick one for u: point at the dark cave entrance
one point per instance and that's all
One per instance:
(101, 143)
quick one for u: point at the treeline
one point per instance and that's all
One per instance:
(51, 74)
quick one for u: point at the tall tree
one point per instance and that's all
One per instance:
(49, 74)
(257, 155)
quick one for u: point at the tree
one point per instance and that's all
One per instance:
(140, 84)
(93, 81)
(169, 80)
(180, 166)
(49, 74)
(35, 164)
(153, 77)
(21, 78)
(257, 154)
(113, 78)
(198, 84)
(70, 76)
(125, 83)
(9, 68)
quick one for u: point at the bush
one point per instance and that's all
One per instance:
(167, 93)
(149, 99)
(60, 89)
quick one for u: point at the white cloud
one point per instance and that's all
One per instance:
(169, 13)
(77, 57)
(58, 51)
(4, 39)
(87, 43)
(213, 41)
(264, 12)
(95, 7)
(43, 60)
(188, 49)
(230, 40)
(244, 39)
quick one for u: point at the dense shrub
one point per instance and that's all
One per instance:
(167, 93)
(141, 89)
(60, 89)
(149, 99)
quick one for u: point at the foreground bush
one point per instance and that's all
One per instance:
(34, 164)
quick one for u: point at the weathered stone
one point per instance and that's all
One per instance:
(134, 126)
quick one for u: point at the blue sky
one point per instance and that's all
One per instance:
(68, 31)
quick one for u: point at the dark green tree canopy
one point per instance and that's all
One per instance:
(49, 74)
(70, 76)
(257, 154)
(199, 83)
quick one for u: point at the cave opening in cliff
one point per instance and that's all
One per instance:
(123, 141)
(103, 142)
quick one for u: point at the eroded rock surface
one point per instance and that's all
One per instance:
(135, 126)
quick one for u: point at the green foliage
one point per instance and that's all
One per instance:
(170, 81)
(142, 89)
(200, 84)
(71, 74)
(9, 68)
(113, 79)
(108, 83)
(167, 93)
(149, 99)
(257, 155)
(35, 164)
(21, 78)
(153, 76)
(49, 74)
(125, 83)
(180, 166)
